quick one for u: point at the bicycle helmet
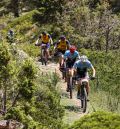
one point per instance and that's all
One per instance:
(44, 33)
(72, 49)
(62, 37)
(83, 58)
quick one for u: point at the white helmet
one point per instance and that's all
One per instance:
(83, 58)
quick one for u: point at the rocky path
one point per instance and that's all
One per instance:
(71, 106)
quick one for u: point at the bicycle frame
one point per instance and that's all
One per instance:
(70, 83)
(64, 71)
(43, 55)
(83, 93)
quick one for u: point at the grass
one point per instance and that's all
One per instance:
(100, 101)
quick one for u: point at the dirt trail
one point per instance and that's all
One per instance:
(73, 111)
(71, 106)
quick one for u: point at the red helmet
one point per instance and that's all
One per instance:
(72, 49)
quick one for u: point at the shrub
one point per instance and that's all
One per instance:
(98, 120)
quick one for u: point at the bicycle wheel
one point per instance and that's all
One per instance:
(42, 59)
(83, 98)
(45, 57)
(70, 86)
(65, 71)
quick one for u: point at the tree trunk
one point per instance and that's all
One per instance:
(15, 7)
(4, 99)
(107, 39)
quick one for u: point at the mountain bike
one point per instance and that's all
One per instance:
(10, 39)
(71, 85)
(83, 93)
(64, 70)
(43, 54)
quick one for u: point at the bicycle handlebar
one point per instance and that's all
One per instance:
(77, 78)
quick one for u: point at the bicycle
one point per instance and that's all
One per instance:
(10, 39)
(83, 93)
(70, 82)
(64, 71)
(71, 85)
(43, 54)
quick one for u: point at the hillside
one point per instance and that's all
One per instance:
(35, 95)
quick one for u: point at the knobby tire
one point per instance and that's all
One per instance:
(43, 57)
(83, 98)
(70, 86)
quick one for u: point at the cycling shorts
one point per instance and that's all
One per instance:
(59, 52)
(70, 63)
(82, 73)
(47, 45)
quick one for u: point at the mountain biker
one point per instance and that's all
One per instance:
(11, 32)
(80, 68)
(60, 47)
(70, 57)
(45, 40)
(10, 36)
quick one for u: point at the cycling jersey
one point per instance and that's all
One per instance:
(70, 55)
(45, 39)
(82, 67)
(62, 45)
(59, 52)
(71, 58)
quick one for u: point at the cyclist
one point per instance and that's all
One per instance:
(60, 47)
(80, 68)
(10, 36)
(45, 40)
(70, 57)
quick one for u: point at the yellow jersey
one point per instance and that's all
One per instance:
(45, 39)
(62, 45)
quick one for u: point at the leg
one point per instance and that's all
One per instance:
(61, 60)
(70, 73)
(67, 80)
(78, 88)
(47, 52)
(88, 88)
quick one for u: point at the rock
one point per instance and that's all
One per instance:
(10, 124)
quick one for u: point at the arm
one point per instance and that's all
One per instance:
(55, 45)
(37, 42)
(65, 55)
(94, 72)
(75, 68)
(50, 39)
(89, 65)
(68, 44)
(78, 56)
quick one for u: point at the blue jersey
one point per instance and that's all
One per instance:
(82, 65)
(71, 56)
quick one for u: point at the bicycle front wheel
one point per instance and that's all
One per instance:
(83, 99)
(71, 86)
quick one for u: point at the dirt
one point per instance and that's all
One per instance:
(72, 108)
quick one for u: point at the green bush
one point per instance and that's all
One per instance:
(98, 120)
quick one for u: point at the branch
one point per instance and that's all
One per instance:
(15, 100)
